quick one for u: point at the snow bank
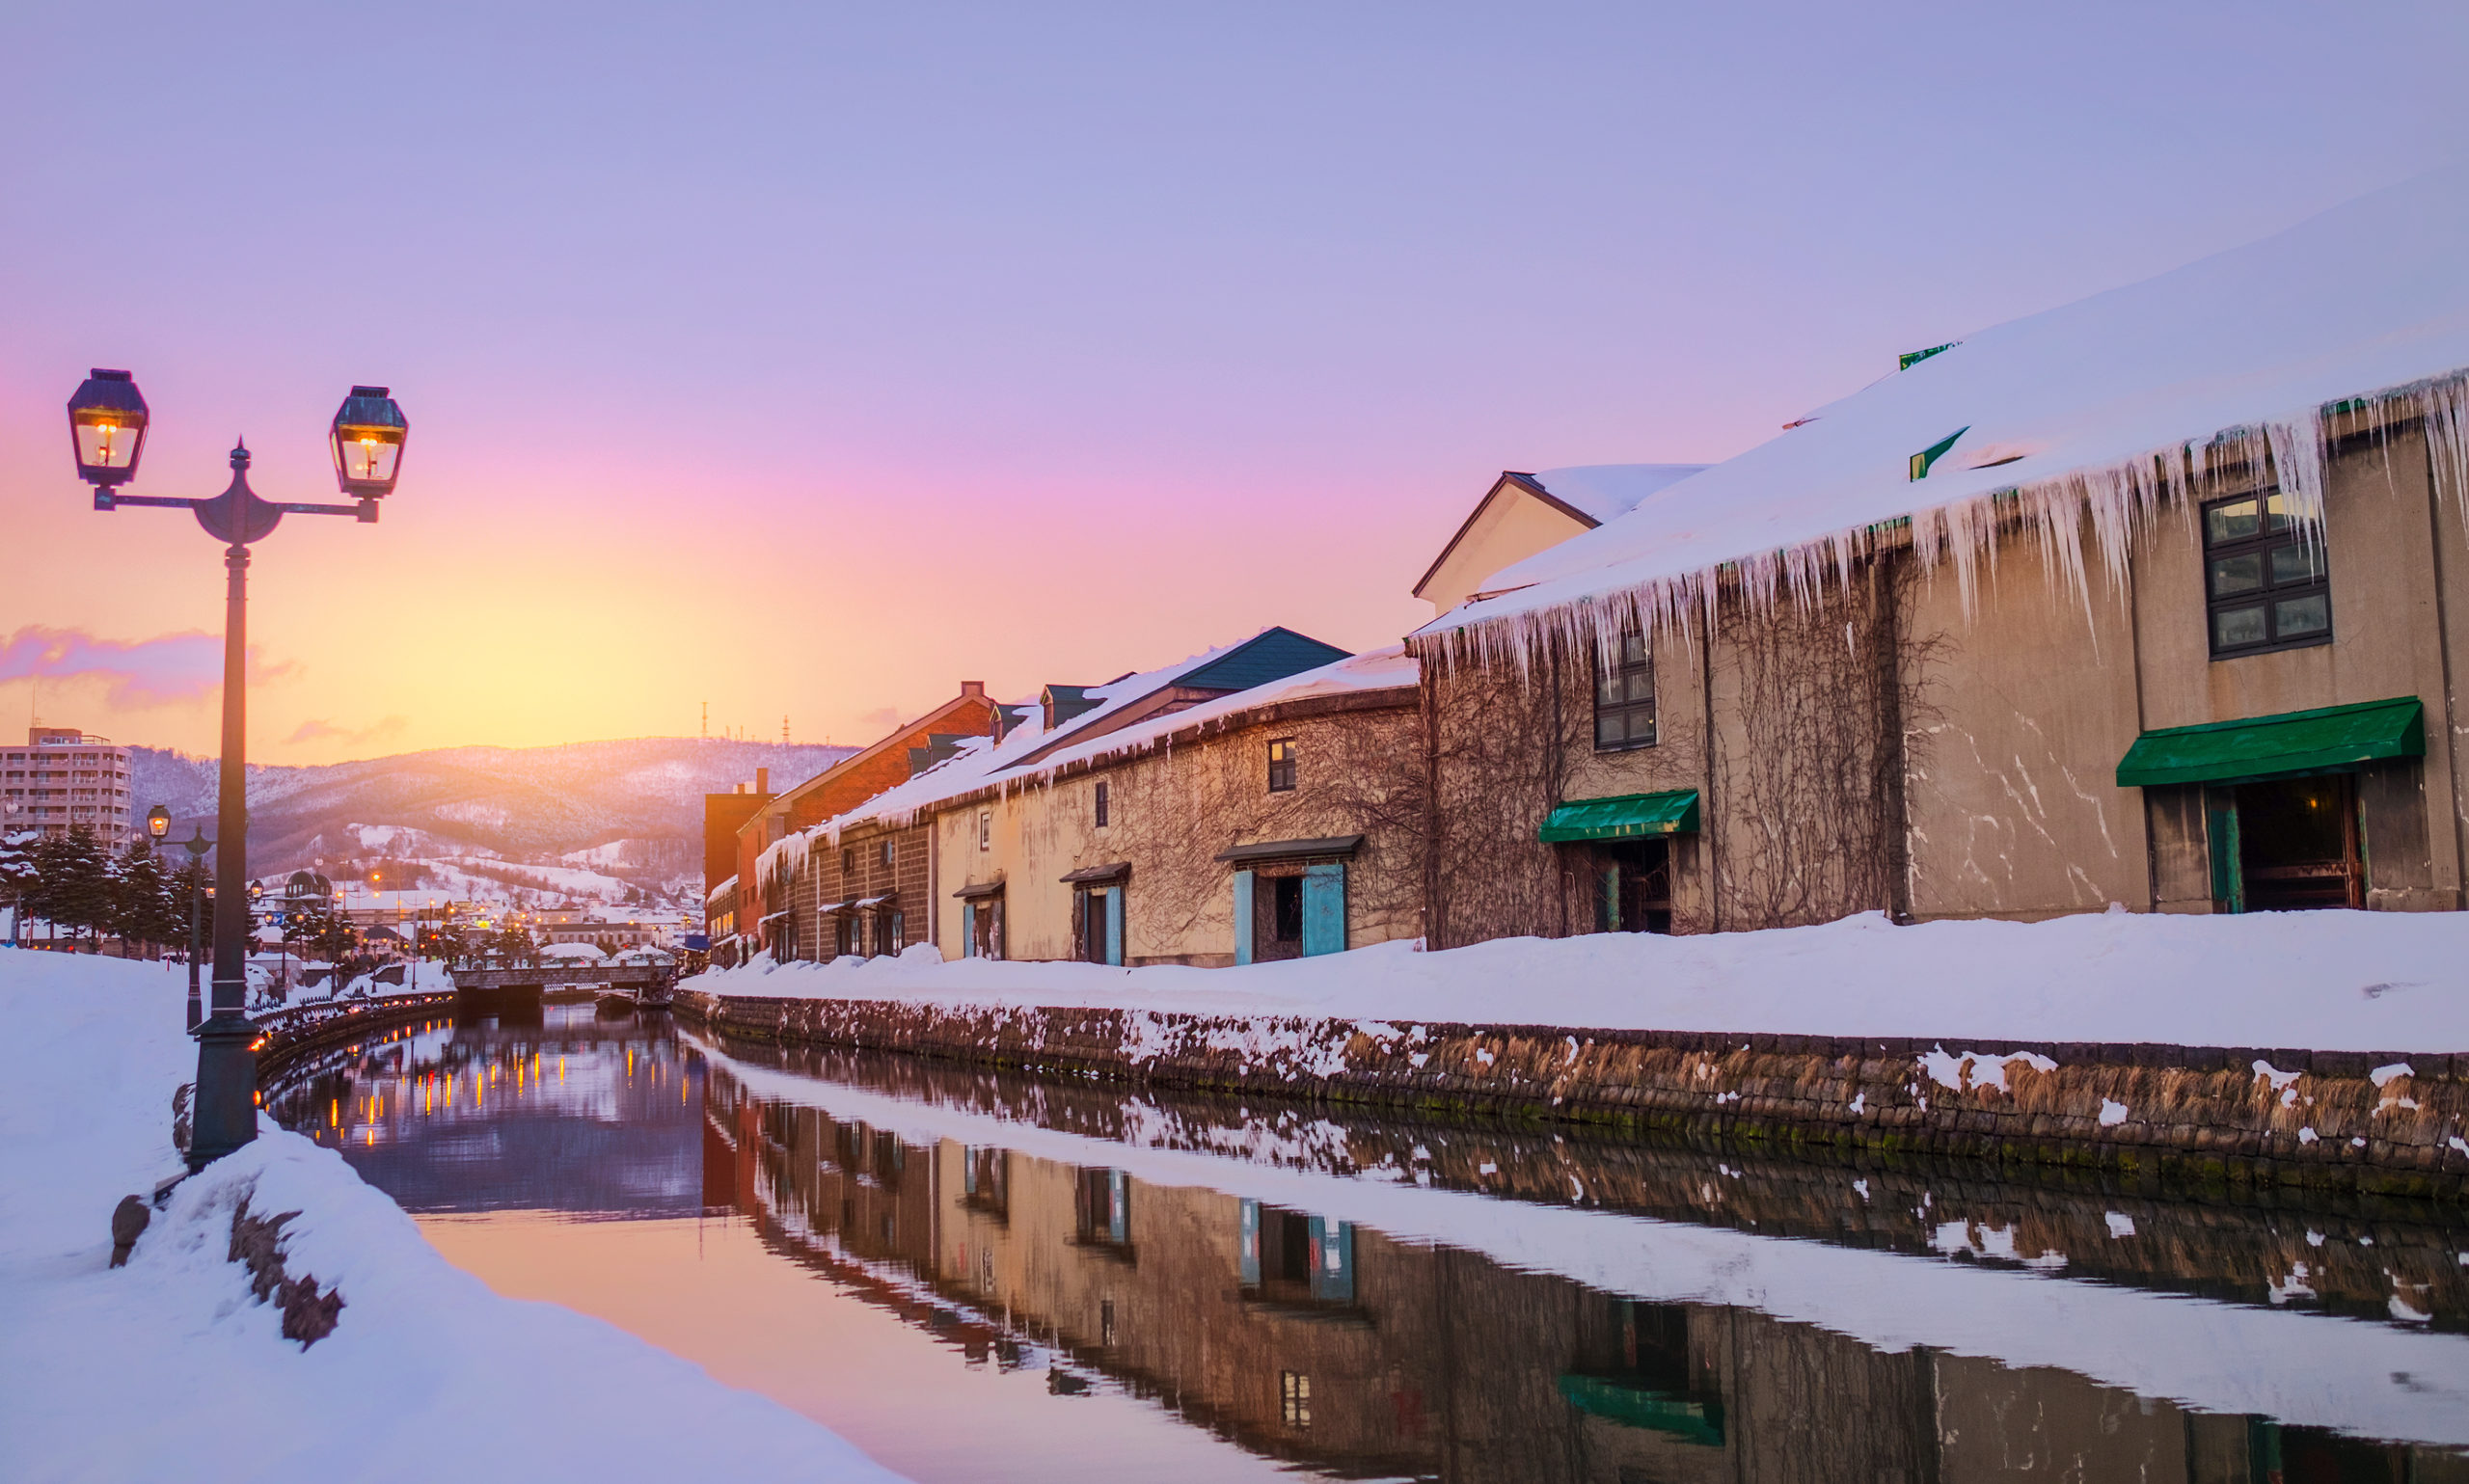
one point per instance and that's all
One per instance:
(2317, 981)
(167, 1369)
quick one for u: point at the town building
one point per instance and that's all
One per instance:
(842, 787)
(63, 778)
(724, 816)
(1089, 826)
(1524, 514)
(2151, 601)
(1278, 822)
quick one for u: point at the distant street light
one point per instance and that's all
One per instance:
(107, 424)
(197, 844)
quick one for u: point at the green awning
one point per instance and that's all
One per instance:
(1664, 1411)
(1627, 817)
(2326, 740)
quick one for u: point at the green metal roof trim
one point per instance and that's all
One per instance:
(1664, 1411)
(2326, 740)
(1272, 653)
(1627, 817)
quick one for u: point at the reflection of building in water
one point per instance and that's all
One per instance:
(1308, 1340)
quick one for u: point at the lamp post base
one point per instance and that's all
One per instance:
(226, 1088)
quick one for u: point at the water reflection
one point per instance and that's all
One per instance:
(1260, 1307)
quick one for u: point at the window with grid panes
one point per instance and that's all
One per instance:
(2265, 583)
(1624, 698)
(1282, 759)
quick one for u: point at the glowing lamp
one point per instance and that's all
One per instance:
(158, 822)
(107, 424)
(367, 442)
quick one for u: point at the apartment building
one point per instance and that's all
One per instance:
(62, 778)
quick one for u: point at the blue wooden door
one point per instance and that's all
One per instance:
(1242, 917)
(1114, 925)
(1324, 910)
(968, 930)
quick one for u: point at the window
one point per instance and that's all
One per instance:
(1624, 697)
(1294, 1398)
(848, 860)
(986, 829)
(1282, 766)
(887, 854)
(1102, 803)
(2265, 583)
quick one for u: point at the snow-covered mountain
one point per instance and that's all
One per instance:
(576, 816)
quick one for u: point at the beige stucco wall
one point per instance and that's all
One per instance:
(1171, 810)
(1510, 526)
(2030, 701)
(2023, 707)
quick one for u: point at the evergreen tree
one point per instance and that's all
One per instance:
(73, 885)
(332, 936)
(141, 911)
(17, 878)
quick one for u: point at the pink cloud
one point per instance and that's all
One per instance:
(320, 730)
(158, 671)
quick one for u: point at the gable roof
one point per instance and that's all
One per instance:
(1274, 653)
(1588, 494)
(2112, 405)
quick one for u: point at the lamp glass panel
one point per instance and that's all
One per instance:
(107, 443)
(367, 456)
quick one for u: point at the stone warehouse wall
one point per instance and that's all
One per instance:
(2389, 1122)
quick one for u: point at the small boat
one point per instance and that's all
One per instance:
(615, 1002)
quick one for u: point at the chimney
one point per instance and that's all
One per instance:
(762, 780)
(972, 687)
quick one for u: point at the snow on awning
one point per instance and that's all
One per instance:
(863, 902)
(1623, 816)
(2330, 739)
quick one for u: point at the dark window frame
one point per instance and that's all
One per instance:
(1624, 697)
(1283, 771)
(1101, 802)
(2274, 533)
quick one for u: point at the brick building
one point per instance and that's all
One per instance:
(890, 761)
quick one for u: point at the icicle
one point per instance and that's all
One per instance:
(2121, 502)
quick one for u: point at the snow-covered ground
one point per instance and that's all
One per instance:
(167, 1369)
(2316, 981)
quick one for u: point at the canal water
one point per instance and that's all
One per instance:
(985, 1277)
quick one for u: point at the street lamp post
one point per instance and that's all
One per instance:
(107, 424)
(197, 844)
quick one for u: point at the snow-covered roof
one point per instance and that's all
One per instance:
(978, 757)
(1388, 669)
(1605, 491)
(981, 762)
(2114, 403)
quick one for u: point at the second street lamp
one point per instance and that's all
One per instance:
(107, 422)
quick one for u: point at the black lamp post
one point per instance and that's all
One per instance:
(197, 844)
(107, 424)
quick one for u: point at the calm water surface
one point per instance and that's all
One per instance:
(990, 1278)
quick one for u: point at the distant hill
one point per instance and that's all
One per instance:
(630, 810)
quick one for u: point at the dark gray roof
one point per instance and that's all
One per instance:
(1288, 850)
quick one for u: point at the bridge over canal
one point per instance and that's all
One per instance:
(495, 985)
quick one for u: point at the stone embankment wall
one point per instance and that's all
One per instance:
(2388, 1122)
(285, 1036)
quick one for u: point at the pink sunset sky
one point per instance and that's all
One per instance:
(806, 359)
